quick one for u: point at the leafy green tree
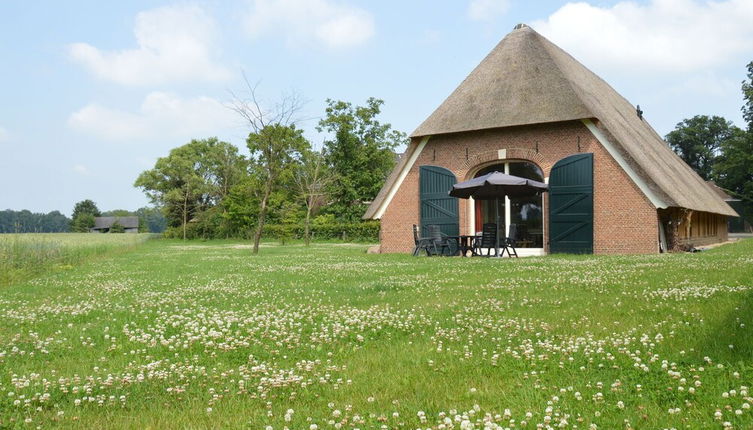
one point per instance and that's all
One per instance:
(275, 145)
(82, 223)
(86, 206)
(118, 212)
(312, 179)
(83, 216)
(117, 227)
(698, 141)
(275, 150)
(360, 152)
(747, 88)
(191, 179)
(735, 166)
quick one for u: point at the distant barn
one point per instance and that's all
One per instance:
(103, 224)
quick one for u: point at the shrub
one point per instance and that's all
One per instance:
(367, 231)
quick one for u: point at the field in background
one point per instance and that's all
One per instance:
(25, 254)
(205, 335)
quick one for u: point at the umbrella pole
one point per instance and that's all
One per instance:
(496, 215)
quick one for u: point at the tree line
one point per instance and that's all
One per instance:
(25, 221)
(282, 185)
(151, 220)
(719, 151)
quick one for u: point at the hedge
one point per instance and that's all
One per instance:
(367, 231)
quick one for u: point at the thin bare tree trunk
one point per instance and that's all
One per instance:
(185, 213)
(307, 228)
(261, 219)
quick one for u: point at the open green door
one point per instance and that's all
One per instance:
(571, 205)
(437, 207)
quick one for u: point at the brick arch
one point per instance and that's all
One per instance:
(474, 163)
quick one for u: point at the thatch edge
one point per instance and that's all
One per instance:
(384, 197)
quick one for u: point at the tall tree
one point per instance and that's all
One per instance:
(735, 166)
(275, 145)
(747, 88)
(191, 179)
(698, 141)
(275, 149)
(83, 216)
(360, 152)
(312, 179)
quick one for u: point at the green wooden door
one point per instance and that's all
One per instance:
(437, 207)
(571, 205)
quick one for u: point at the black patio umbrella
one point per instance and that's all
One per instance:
(494, 185)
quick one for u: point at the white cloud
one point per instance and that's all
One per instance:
(326, 22)
(161, 115)
(81, 170)
(4, 135)
(487, 10)
(663, 36)
(175, 43)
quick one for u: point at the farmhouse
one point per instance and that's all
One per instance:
(531, 110)
(103, 224)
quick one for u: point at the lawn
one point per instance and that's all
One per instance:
(171, 334)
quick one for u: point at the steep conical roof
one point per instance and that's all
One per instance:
(526, 79)
(518, 83)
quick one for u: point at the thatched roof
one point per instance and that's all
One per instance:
(107, 221)
(721, 192)
(526, 79)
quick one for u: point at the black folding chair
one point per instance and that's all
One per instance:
(443, 245)
(422, 243)
(488, 240)
(510, 242)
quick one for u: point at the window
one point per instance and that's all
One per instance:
(525, 214)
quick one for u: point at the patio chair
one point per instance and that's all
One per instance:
(443, 245)
(488, 240)
(510, 242)
(422, 243)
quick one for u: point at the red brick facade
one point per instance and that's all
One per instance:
(625, 222)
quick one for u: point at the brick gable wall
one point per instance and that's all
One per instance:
(625, 222)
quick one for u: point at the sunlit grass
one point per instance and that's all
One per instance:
(26, 254)
(205, 335)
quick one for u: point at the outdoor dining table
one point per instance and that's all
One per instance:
(465, 243)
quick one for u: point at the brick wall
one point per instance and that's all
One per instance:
(625, 222)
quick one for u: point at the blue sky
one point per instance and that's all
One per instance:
(94, 92)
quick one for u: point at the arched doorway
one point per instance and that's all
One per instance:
(526, 213)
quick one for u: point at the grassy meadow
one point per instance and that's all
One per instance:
(171, 334)
(28, 254)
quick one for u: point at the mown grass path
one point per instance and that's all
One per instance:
(205, 335)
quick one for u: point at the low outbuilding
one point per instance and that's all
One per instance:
(103, 224)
